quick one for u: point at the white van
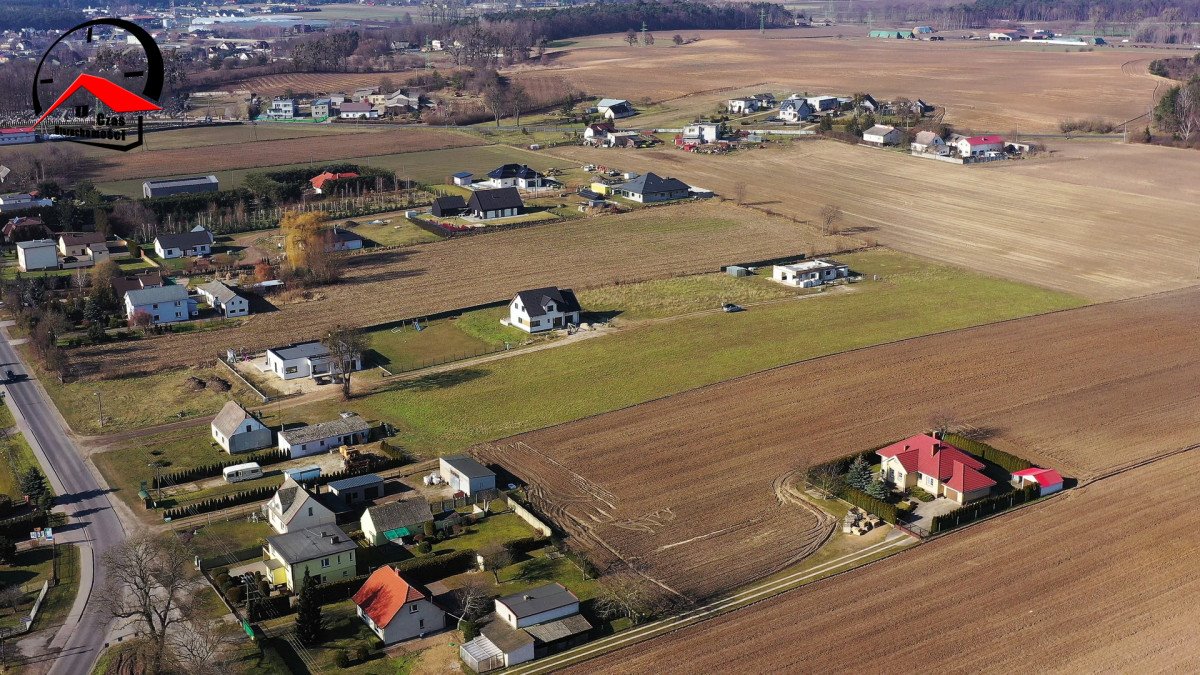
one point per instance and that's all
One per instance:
(240, 472)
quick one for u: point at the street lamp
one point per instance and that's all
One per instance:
(99, 407)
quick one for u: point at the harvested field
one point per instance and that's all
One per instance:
(313, 83)
(1085, 391)
(233, 134)
(1060, 224)
(428, 278)
(985, 86)
(1101, 579)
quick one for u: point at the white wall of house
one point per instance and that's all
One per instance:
(414, 619)
(160, 312)
(288, 369)
(236, 306)
(174, 252)
(519, 317)
(250, 435)
(319, 445)
(508, 617)
(38, 257)
(311, 514)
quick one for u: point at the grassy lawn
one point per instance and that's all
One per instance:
(16, 457)
(395, 231)
(230, 535)
(450, 339)
(681, 295)
(442, 413)
(497, 529)
(342, 630)
(29, 570)
(10, 270)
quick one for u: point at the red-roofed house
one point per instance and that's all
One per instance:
(396, 610)
(974, 146)
(936, 467)
(318, 182)
(1048, 481)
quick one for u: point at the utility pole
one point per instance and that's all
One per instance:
(99, 407)
(762, 21)
(643, 33)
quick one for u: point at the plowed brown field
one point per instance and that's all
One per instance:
(1066, 225)
(440, 276)
(1084, 391)
(1101, 579)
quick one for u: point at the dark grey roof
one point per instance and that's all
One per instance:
(150, 296)
(315, 542)
(314, 432)
(301, 350)
(506, 638)
(355, 482)
(451, 202)
(535, 300)
(230, 418)
(342, 234)
(219, 291)
(122, 285)
(496, 200)
(182, 182)
(400, 514)
(185, 239)
(514, 171)
(287, 496)
(82, 238)
(557, 630)
(652, 184)
(538, 600)
(468, 467)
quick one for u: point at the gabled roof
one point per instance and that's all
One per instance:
(496, 200)
(384, 594)
(1044, 477)
(450, 202)
(514, 171)
(292, 499)
(320, 179)
(230, 419)
(81, 238)
(538, 600)
(984, 140)
(185, 239)
(927, 138)
(929, 456)
(343, 235)
(151, 296)
(314, 432)
(36, 243)
(122, 285)
(400, 513)
(964, 479)
(652, 183)
(356, 107)
(559, 628)
(610, 102)
(536, 300)
(879, 130)
(218, 290)
(354, 482)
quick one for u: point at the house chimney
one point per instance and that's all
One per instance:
(333, 539)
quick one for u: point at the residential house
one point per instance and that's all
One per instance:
(795, 110)
(525, 626)
(765, 100)
(936, 467)
(293, 508)
(39, 254)
(179, 186)
(615, 108)
(929, 142)
(823, 103)
(364, 94)
(1048, 481)
(463, 474)
(224, 299)
(197, 242)
(650, 188)
(283, 109)
(448, 206)
(809, 273)
(701, 133)
(978, 146)
(501, 203)
(462, 178)
(236, 430)
(311, 439)
(595, 134)
(396, 610)
(882, 134)
(358, 111)
(921, 107)
(17, 201)
(163, 304)
(401, 102)
(357, 489)
(516, 175)
(304, 359)
(623, 139)
(124, 284)
(318, 182)
(741, 106)
(27, 228)
(324, 552)
(79, 244)
(542, 309)
(321, 108)
(341, 239)
(395, 520)
(866, 103)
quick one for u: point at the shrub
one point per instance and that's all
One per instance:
(920, 494)
(340, 659)
(998, 457)
(430, 529)
(424, 547)
(526, 544)
(235, 594)
(5, 505)
(469, 630)
(222, 580)
(362, 652)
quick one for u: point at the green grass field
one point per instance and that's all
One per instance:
(397, 231)
(682, 295)
(443, 413)
(230, 535)
(127, 266)
(16, 457)
(471, 334)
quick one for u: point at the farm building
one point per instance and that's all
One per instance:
(294, 508)
(977, 146)
(823, 103)
(501, 203)
(810, 273)
(741, 106)
(318, 182)
(543, 309)
(179, 186)
(464, 474)
(936, 467)
(395, 520)
(164, 304)
(1048, 481)
(515, 175)
(357, 110)
(224, 299)
(197, 242)
(615, 108)
(396, 610)
(39, 254)
(303, 359)
(341, 239)
(311, 439)
(357, 488)
(651, 187)
(451, 205)
(882, 134)
(929, 142)
(887, 34)
(236, 430)
(525, 626)
(701, 133)
(595, 134)
(324, 552)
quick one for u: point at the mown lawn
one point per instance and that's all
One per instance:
(31, 568)
(450, 411)
(229, 535)
(471, 334)
(16, 457)
(497, 529)
(682, 295)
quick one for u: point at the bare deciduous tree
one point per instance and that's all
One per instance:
(495, 558)
(472, 597)
(944, 421)
(345, 346)
(825, 479)
(203, 647)
(831, 217)
(629, 596)
(739, 192)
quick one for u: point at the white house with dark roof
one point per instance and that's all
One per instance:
(303, 359)
(540, 620)
(224, 299)
(78, 244)
(197, 242)
(615, 108)
(236, 430)
(882, 134)
(809, 273)
(341, 239)
(464, 474)
(516, 175)
(311, 439)
(167, 187)
(651, 187)
(164, 304)
(293, 508)
(543, 309)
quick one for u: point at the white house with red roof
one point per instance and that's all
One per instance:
(936, 467)
(1048, 481)
(318, 182)
(396, 610)
(977, 146)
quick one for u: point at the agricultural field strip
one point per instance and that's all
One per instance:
(717, 446)
(1053, 577)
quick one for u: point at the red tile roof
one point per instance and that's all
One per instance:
(926, 454)
(965, 479)
(984, 140)
(384, 594)
(318, 182)
(1044, 477)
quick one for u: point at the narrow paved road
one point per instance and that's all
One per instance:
(93, 524)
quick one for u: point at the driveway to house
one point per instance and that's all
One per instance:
(92, 525)
(925, 511)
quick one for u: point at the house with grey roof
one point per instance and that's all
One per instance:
(38, 254)
(357, 489)
(543, 309)
(464, 474)
(294, 508)
(349, 429)
(650, 188)
(795, 109)
(615, 108)
(325, 552)
(525, 626)
(395, 520)
(236, 430)
(197, 242)
(224, 299)
(180, 186)
(163, 304)
(516, 175)
(305, 359)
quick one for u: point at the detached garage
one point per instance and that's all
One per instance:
(1048, 481)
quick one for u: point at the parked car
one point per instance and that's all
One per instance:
(729, 307)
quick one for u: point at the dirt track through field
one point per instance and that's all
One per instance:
(1084, 391)
(1065, 225)
(1101, 579)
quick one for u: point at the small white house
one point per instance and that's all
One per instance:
(312, 439)
(39, 254)
(543, 309)
(1048, 481)
(197, 242)
(615, 108)
(540, 620)
(236, 430)
(292, 508)
(882, 134)
(930, 143)
(164, 304)
(224, 299)
(396, 610)
(283, 109)
(978, 146)
(464, 474)
(701, 133)
(810, 273)
(358, 110)
(741, 106)
(537, 605)
(304, 359)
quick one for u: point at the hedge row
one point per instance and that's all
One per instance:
(265, 458)
(999, 457)
(526, 544)
(19, 528)
(982, 508)
(868, 503)
(223, 502)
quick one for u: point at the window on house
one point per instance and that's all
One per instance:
(247, 427)
(310, 510)
(154, 306)
(291, 370)
(421, 624)
(324, 563)
(413, 609)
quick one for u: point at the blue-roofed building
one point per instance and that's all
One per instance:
(462, 178)
(357, 488)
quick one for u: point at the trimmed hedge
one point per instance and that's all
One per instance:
(868, 503)
(983, 507)
(999, 457)
(425, 570)
(18, 528)
(526, 544)
(272, 456)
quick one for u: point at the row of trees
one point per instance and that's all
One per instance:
(1178, 111)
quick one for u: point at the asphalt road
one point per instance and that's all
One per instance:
(93, 523)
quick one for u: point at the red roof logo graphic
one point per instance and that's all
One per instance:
(117, 98)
